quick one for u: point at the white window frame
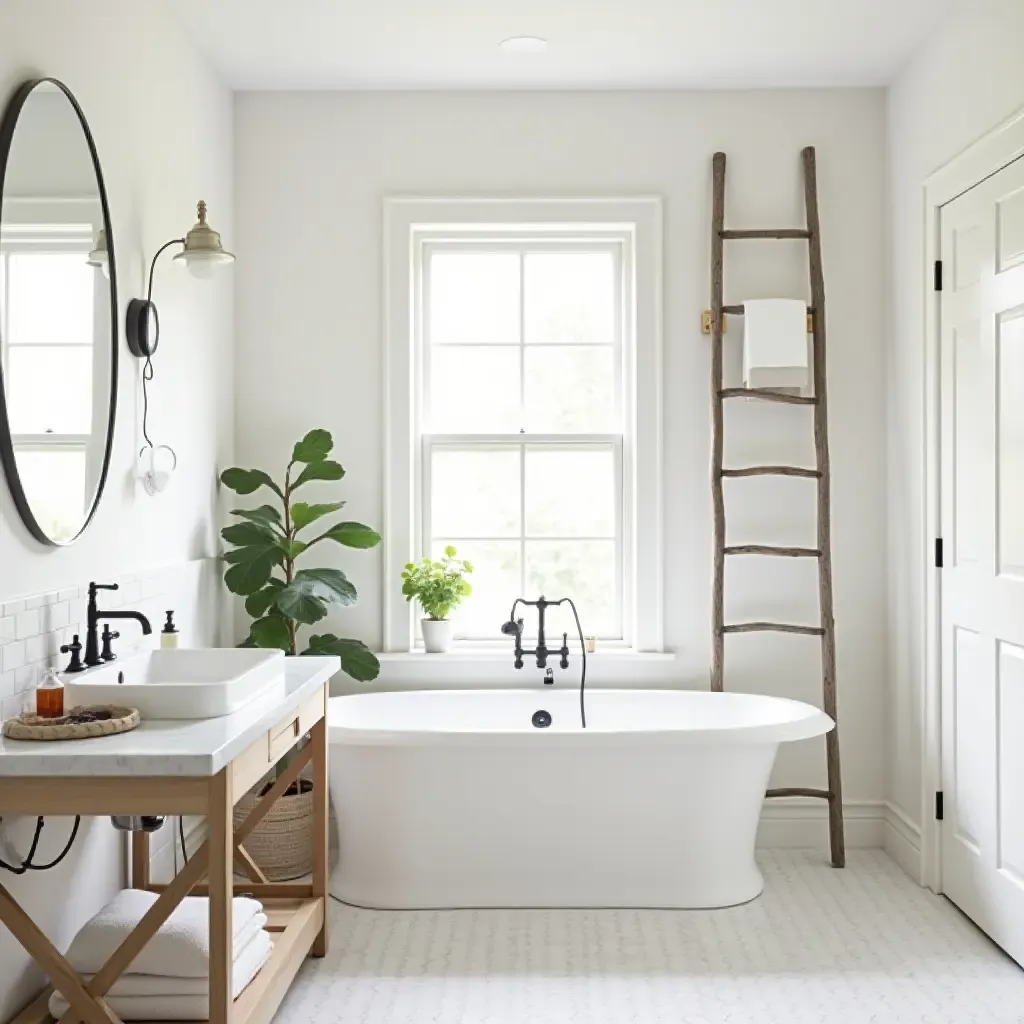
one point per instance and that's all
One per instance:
(412, 224)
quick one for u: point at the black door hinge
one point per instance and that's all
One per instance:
(938, 552)
(938, 805)
(938, 275)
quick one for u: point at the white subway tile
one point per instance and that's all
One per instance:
(71, 594)
(39, 648)
(130, 593)
(13, 656)
(13, 607)
(25, 678)
(13, 706)
(6, 685)
(27, 624)
(7, 629)
(50, 598)
(57, 616)
(34, 602)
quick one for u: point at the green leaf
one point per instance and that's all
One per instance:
(246, 534)
(314, 447)
(329, 585)
(352, 535)
(271, 632)
(324, 470)
(252, 570)
(293, 548)
(258, 604)
(265, 515)
(299, 601)
(245, 481)
(357, 660)
(303, 514)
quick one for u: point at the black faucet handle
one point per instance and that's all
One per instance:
(75, 650)
(93, 587)
(107, 654)
(564, 652)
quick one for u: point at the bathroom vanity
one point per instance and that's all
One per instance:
(197, 767)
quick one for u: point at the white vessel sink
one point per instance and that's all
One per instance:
(182, 684)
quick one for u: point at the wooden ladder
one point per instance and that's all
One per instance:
(822, 551)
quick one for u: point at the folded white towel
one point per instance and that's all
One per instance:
(181, 947)
(775, 343)
(151, 997)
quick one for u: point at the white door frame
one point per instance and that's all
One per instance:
(986, 157)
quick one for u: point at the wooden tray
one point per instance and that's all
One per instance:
(34, 727)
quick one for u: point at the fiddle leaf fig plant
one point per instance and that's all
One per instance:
(266, 545)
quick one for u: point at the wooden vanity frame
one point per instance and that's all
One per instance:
(297, 912)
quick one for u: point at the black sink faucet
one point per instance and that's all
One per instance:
(93, 617)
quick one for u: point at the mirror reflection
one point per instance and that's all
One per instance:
(57, 333)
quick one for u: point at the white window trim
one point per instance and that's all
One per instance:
(409, 221)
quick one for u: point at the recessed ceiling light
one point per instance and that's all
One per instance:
(524, 44)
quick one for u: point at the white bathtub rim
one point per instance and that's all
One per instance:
(811, 722)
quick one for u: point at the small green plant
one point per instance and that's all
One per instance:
(264, 549)
(439, 587)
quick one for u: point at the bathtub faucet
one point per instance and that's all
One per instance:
(514, 627)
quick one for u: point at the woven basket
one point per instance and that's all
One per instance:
(282, 843)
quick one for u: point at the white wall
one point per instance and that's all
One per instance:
(312, 172)
(967, 79)
(162, 123)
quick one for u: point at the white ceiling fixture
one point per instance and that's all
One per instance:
(602, 44)
(524, 44)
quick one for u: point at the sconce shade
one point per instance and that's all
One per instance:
(203, 250)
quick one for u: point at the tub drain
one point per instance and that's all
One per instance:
(541, 719)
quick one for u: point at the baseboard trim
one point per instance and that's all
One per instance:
(795, 823)
(903, 840)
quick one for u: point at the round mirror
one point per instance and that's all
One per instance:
(58, 313)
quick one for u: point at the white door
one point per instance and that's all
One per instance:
(982, 395)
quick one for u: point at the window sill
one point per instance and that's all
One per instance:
(469, 667)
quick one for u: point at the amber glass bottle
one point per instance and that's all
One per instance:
(50, 696)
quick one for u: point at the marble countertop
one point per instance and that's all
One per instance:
(164, 747)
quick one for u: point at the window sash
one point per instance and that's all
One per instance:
(523, 443)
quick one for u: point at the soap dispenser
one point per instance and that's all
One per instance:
(169, 635)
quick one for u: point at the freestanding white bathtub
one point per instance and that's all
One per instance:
(450, 798)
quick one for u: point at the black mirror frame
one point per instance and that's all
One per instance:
(7, 127)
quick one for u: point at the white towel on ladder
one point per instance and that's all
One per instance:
(775, 351)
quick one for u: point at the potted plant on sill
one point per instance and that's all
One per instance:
(283, 599)
(439, 587)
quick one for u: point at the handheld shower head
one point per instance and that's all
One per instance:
(512, 628)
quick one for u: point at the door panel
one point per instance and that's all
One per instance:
(982, 587)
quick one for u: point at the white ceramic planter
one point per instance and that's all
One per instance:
(437, 635)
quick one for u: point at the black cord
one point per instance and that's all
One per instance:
(181, 836)
(27, 865)
(583, 652)
(147, 370)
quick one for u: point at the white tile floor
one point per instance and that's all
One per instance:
(822, 946)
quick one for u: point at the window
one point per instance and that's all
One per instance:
(518, 433)
(47, 349)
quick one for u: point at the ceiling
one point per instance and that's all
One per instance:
(603, 44)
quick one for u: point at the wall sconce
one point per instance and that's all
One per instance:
(202, 252)
(100, 257)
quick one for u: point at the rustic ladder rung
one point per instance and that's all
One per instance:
(713, 322)
(768, 395)
(768, 233)
(773, 550)
(772, 627)
(771, 471)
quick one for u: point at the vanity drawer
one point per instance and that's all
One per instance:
(248, 768)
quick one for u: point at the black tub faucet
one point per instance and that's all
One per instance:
(94, 616)
(514, 627)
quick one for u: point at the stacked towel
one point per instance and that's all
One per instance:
(169, 979)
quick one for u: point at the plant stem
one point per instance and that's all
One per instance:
(289, 562)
